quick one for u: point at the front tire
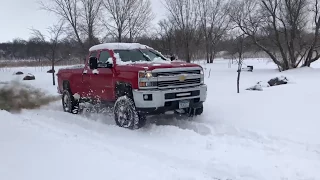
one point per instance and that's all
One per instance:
(195, 111)
(126, 115)
(69, 104)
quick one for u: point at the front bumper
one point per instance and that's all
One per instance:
(165, 98)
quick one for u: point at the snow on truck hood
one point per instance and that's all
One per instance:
(154, 64)
(158, 64)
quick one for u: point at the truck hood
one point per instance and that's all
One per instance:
(156, 65)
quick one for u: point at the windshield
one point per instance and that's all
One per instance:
(139, 55)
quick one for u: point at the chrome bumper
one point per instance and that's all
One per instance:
(159, 96)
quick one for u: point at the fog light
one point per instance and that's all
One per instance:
(147, 97)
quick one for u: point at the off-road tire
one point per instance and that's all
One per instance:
(195, 111)
(126, 115)
(69, 104)
(199, 111)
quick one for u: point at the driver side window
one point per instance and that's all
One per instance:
(103, 58)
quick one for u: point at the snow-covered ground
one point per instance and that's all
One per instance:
(255, 135)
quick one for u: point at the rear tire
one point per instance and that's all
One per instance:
(69, 104)
(126, 115)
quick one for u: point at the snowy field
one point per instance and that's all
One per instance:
(255, 135)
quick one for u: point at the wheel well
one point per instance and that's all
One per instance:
(123, 88)
(66, 85)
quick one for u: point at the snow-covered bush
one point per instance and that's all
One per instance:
(18, 73)
(272, 82)
(278, 81)
(29, 77)
(256, 87)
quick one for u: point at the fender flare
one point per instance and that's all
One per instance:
(122, 89)
(66, 85)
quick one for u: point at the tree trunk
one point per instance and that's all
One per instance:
(91, 36)
(119, 35)
(52, 68)
(53, 73)
(212, 54)
(307, 64)
(238, 78)
(211, 57)
(239, 68)
(188, 52)
(207, 51)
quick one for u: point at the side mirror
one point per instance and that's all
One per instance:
(93, 63)
(172, 58)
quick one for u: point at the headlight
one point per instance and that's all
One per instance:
(202, 76)
(146, 80)
(146, 74)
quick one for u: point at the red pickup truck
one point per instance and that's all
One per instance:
(136, 81)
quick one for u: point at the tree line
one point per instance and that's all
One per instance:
(286, 31)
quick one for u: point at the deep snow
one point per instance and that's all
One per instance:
(255, 135)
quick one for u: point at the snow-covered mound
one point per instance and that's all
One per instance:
(281, 80)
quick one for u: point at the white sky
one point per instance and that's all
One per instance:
(18, 16)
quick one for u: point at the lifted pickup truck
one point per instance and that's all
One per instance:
(136, 80)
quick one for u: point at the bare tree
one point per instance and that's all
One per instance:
(91, 13)
(281, 23)
(246, 16)
(139, 18)
(240, 47)
(313, 52)
(286, 23)
(214, 22)
(69, 11)
(127, 17)
(166, 32)
(52, 53)
(184, 17)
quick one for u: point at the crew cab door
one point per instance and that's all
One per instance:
(102, 80)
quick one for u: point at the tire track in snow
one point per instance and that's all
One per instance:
(222, 139)
(173, 161)
(212, 129)
(181, 122)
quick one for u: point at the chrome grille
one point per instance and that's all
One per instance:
(177, 83)
(174, 73)
(171, 78)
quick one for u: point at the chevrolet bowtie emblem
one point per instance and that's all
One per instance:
(182, 78)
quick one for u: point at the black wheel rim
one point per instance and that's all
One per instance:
(124, 115)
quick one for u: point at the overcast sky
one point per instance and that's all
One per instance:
(18, 16)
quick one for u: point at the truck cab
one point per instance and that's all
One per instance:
(136, 80)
